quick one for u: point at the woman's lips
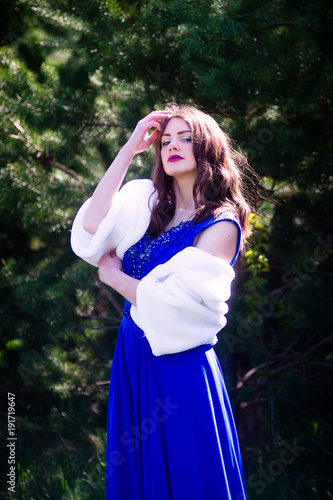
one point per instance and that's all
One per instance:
(175, 158)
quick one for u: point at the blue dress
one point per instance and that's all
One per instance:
(171, 433)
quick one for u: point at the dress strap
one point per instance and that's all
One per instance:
(221, 217)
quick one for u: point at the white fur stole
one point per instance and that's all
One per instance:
(182, 304)
(124, 224)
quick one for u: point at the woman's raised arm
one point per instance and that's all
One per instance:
(110, 183)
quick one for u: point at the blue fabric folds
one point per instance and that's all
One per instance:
(171, 433)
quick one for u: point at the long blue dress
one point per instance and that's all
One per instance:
(171, 433)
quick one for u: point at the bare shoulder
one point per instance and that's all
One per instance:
(220, 240)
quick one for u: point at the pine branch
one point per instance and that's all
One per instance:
(92, 345)
(96, 316)
(322, 105)
(99, 328)
(42, 156)
(325, 109)
(278, 25)
(300, 358)
(67, 170)
(110, 297)
(272, 56)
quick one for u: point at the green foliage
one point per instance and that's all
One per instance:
(75, 78)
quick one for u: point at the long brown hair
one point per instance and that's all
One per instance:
(219, 183)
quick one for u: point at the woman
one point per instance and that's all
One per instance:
(168, 246)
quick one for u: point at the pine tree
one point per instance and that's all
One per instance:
(75, 78)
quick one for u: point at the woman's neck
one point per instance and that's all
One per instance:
(184, 196)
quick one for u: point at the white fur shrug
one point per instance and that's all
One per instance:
(124, 224)
(180, 304)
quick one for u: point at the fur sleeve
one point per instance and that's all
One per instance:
(182, 304)
(125, 223)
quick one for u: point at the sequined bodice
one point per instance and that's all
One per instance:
(148, 252)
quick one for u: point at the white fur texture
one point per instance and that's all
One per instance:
(124, 224)
(182, 304)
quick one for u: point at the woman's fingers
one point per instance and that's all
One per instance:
(152, 123)
(158, 114)
(153, 119)
(140, 139)
(152, 137)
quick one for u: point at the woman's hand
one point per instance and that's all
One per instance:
(108, 266)
(140, 139)
(111, 274)
(108, 186)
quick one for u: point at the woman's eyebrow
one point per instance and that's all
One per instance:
(182, 132)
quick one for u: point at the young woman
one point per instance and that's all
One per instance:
(168, 246)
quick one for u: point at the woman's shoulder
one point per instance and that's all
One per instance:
(221, 236)
(223, 215)
(138, 186)
(136, 193)
(226, 215)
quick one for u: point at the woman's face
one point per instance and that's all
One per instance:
(177, 150)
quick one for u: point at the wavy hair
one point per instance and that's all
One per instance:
(219, 183)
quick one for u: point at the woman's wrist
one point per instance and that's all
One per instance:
(128, 150)
(114, 279)
(123, 284)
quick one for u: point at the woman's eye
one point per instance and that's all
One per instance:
(186, 138)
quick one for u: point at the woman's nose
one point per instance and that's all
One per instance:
(173, 145)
